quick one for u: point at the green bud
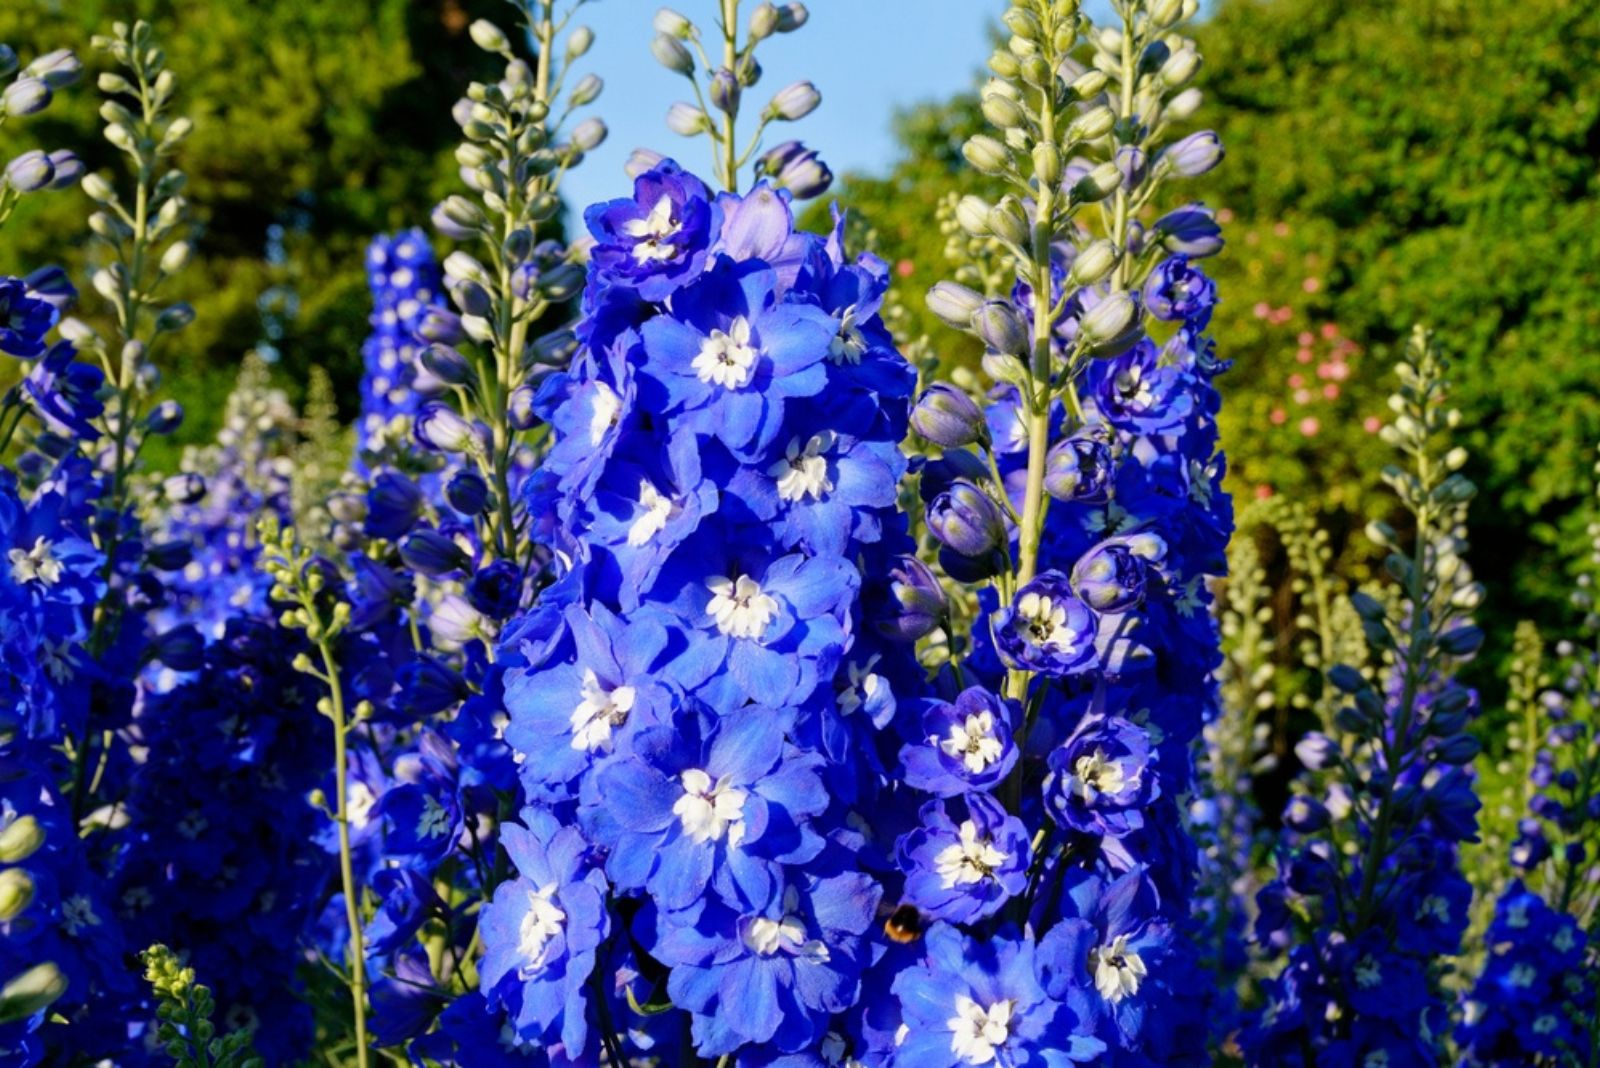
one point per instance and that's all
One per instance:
(763, 22)
(579, 42)
(1109, 319)
(20, 840)
(1023, 23)
(1047, 163)
(16, 893)
(110, 82)
(671, 54)
(1184, 104)
(986, 155)
(544, 207)
(1092, 124)
(1007, 222)
(1001, 110)
(98, 189)
(1090, 83)
(1164, 13)
(1098, 184)
(176, 257)
(1036, 70)
(489, 37)
(174, 317)
(972, 215)
(1093, 263)
(1005, 65)
(1180, 67)
(31, 992)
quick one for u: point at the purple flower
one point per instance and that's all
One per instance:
(1176, 291)
(1113, 576)
(966, 745)
(1046, 628)
(659, 240)
(1102, 778)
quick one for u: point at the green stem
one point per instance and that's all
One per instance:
(730, 60)
(352, 909)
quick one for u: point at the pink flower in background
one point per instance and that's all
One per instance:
(1278, 417)
(1372, 424)
(1312, 284)
(1309, 426)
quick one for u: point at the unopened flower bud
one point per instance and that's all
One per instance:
(1023, 23)
(725, 92)
(669, 22)
(8, 61)
(25, 96)
(1098, 183)
(948, 417)
(1093, 263)
(954, 303)
(489, 37)
(966, 520)
(176, 257)
(467, 492)
(57, 69)
(794, 102)
(21, 840)
(579, 42)
(174, 317)
(446, 364)
(687, 120)
(642, 161)
(1047, 163)
(792, 16)
(1090, 83)
(972, 215)
(1078, 469)
(164, 418)
(1006, 368)
(1180, 67)
(69, 168)
(671, 53)
(16, 893)
(1184, 104)
(986, 155)
(432, 553)
(439, 426)
(589, 134)
(1007, 221)
(32, 992)
(1001, 327)
(764, 22)
(522, 408)
(30, 172)
(1002, 111)
(919, 603)
(587, 91)
(186, 488)
(1195, 154)
(1108, 320)
(1092, 124)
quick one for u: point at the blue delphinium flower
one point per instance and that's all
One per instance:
(975, 1002)
(964, 867)
(25, 319)
(1046, 628)
(1101, 779)
(406, 288)
(542, 930)
(660, 238)
(966, 744)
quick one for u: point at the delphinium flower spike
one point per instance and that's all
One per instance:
(681, 47)
(1369, 894)
(301, 581)
(1084, 511)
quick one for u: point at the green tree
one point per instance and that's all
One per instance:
(317, 124)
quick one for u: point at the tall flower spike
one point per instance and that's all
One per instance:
(1382, 887)
(720, 83)
(1088, 515)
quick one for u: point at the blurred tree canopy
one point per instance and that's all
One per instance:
(317, 124)
(1389, 162)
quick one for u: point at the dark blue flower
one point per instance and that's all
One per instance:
(966, 744)
(659, 240)
(965, 871)
(25, 319)
(1046, 628)
(1102, 778)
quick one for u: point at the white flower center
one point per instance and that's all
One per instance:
(726, 357)
(739, 608)
(1117, 969)
(541, 923)
(658, 509)
(974, 741)
(435, 819)
(651, 233)
(77, 912)
(359, 804)
(1522, 975)
(37, 564)
(1043, 621)
(861, 685)
(1368, 973)
(976, 1032)
(710, 810)
(803, 471)
(603, 413)
(971, 860)
(1133, 389)
(766, 937)
(849, 343)
(1094, 774)
(599, 713)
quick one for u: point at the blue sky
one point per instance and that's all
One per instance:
(869, 57)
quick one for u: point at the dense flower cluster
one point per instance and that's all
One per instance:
(406, 287)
